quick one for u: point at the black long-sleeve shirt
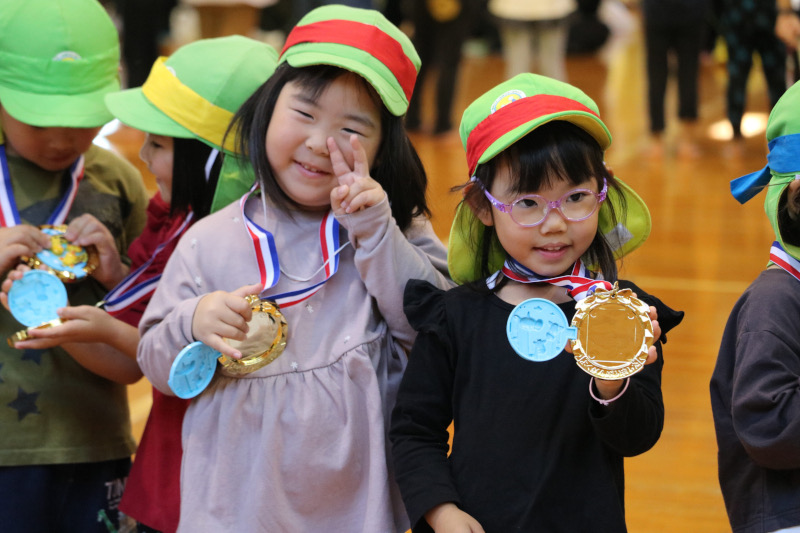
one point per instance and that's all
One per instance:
(532, 451)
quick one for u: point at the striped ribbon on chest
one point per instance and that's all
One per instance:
(577, 283)
(269, 265)
(134, 288)
(9, 214)
(779, 256)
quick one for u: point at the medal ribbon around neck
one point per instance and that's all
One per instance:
(267, 255)
(525, 329)
(131, 290)
(779, 256)
(9, 215)
(577, 283)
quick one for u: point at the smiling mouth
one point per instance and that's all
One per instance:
(312, 169)
(552, 248)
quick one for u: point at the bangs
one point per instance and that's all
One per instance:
(319, 77)
(555, 152)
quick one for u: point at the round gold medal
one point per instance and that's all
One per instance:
(68, 261)
(265, 341)
(614, 333)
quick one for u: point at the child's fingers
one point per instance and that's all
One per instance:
(247, 290)
(364, 199)
(360, 163)
(36, 344)
(216, 342)
(338, 162)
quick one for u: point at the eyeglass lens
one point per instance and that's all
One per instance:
(576, 205)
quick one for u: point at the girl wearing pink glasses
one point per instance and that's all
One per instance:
(538, 443)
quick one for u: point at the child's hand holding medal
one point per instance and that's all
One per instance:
(236, 329)
(34, 291)
(611, 335)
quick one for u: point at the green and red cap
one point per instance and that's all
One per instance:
(362, 41)
(504, 115)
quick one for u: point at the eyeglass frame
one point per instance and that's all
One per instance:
(506, 208)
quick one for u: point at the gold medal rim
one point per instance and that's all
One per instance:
(66, 276)
(247, 365)
(637, 360)
(24, 335)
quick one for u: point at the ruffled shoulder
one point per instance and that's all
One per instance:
(668, 318)
(424, 305)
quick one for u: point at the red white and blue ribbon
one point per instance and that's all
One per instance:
(9, 214)
(132, 289)
(779, 256)
(577, 283)
(267, 256)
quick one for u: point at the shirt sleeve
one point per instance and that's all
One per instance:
(765, 404)
(383, 253)
(423, 409)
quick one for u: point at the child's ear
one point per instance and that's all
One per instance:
(478, 204)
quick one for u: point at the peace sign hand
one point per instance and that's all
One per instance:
(357, 190)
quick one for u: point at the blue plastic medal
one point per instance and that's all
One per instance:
(34, 299)
(538, 330)
(192, 370)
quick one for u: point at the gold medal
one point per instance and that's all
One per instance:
(265, 341)
(68, 261)
(614, 333)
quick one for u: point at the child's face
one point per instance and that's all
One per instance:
(793, 199)
(553, 246)
(298, 131)
(157, 152)
(52, 149)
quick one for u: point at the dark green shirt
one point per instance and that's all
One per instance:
(52, 410)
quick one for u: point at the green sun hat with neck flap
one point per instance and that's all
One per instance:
(58, 59)
(362, 41)
(503, 116)
(783, 162)
(194, 94)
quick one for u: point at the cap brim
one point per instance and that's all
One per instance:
(131, 107)
(86, 110)
(624, 237)
(393, 99)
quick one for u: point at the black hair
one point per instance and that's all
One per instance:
(555, 151)
(789, 217)
(190, 188)
(397, 166)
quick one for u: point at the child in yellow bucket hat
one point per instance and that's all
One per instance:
(185, 107)
(66, 431)
(538, 443)
(290, 435)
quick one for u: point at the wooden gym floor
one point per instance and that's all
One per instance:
(704, 250)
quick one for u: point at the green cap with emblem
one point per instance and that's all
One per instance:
(58, 60)
(503, 116)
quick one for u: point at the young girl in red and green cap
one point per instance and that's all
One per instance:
(754, 394)
(185, 107)
(336, 226)
(538, 443)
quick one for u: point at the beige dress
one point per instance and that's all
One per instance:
(300, 445)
